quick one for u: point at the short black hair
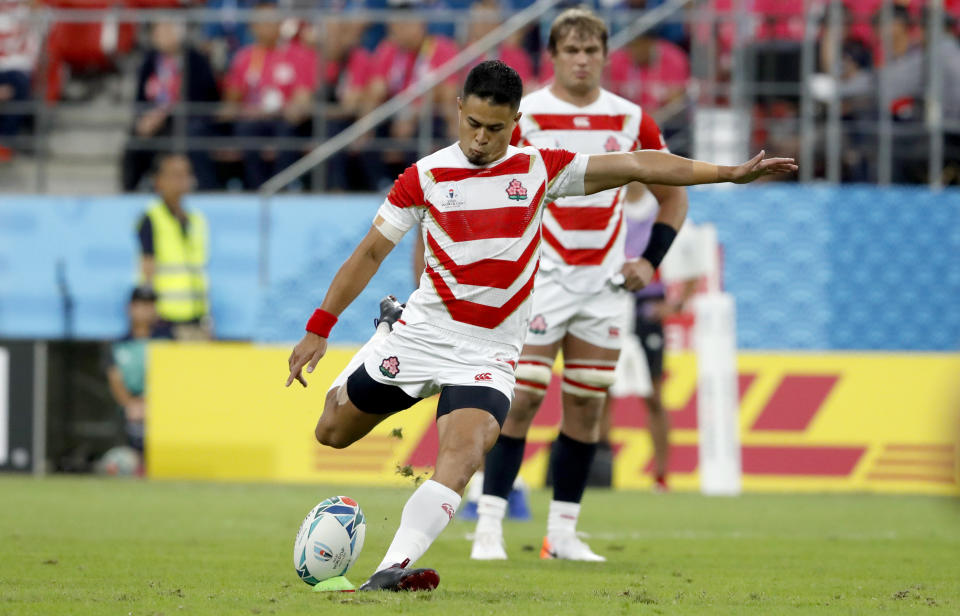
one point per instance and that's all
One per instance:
(163, 156)
(495, 81)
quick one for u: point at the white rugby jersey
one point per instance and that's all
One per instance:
(583, 236)
(481, 231)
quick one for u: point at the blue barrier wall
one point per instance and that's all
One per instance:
(811, 267)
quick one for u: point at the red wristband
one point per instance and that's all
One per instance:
(321, 323)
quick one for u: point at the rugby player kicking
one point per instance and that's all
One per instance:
(479, 203)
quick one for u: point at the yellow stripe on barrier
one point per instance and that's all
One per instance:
(809, 422)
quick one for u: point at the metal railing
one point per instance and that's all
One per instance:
(825, 132)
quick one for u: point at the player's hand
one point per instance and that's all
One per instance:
(135, 410)
(759, 166)
(151, 122)
(307, 353)
(636, 274)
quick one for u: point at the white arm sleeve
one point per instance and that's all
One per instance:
(570, 181)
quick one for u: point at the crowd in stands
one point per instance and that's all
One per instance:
(266, 80)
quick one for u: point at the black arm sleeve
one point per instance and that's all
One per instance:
(145, 234)
(143, 74)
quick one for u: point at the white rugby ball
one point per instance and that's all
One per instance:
(329, 540)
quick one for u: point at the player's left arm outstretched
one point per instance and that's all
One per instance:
(606, 171)
(350, 280)
(664, 171)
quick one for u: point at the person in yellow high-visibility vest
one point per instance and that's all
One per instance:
(173, 251)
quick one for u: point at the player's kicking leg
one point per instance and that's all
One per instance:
(465, 435)
(342, 423)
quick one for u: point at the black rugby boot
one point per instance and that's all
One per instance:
(398, 577)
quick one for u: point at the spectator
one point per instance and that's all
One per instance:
(346, 64)
(484, 18)
(404, 57)
(901, 82)
(344, 76)
(269, 93)
(169, 74)
(855, 59)
(173, 251)
(126, 363)
(856, 53)
(17, 57)
(651, 72)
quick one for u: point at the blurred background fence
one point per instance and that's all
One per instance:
(857, 90)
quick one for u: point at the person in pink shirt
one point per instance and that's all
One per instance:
(269, 93)
(345, 71)
(485, 16)
(400, 60)
(650, 72)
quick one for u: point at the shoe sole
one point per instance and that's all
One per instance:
(547, 553)
(472, 557)
(425, 579)
(573, 560)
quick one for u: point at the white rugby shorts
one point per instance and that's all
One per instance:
(421, 358)
(597, 318)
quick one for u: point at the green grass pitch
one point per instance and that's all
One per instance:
(92, 546)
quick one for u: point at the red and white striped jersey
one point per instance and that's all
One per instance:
(583, 236)
(481, 231)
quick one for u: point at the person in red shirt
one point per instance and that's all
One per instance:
(400, 60)
(485, 16)
(269, 93)
(650, 71)
(345, 74)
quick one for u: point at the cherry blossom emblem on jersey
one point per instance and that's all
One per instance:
(390, 367)
(612, 145)
(516, 191)
(538, 325)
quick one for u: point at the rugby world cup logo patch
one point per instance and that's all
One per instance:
(390, 367)
(452, 198)
(516, 191)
